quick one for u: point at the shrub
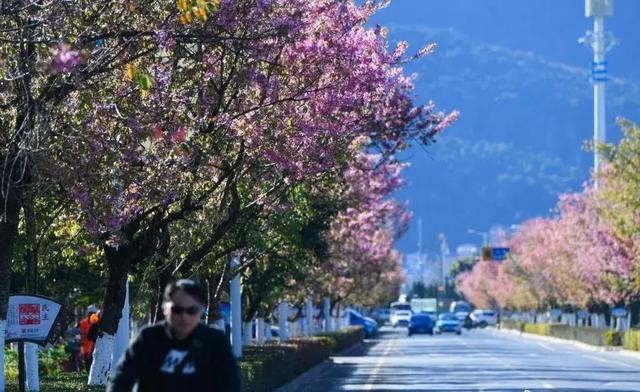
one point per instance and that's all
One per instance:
(631, 340)
(538, 329)
(64, 382)
(10, 364)
(267, 367)
(589, 335)
(512, 324)
(343, 339)
(51, 360)
(613, 338)
(562, 331)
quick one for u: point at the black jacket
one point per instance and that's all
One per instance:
(157, 362)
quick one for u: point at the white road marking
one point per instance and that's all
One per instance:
(546, 347)
(610, 361)
(376, 370)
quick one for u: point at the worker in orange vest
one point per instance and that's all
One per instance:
(86, 344)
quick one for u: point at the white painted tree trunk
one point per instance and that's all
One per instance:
(236, 320)
(327, 315)
(309, 318)
(267, 334)
(247, 333)
(31, 364)
(101, 360)
(260, 332)
(283, 312)
(3, 329)
(121, 340)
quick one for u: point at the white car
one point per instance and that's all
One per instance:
(400, 317)
(484, 317)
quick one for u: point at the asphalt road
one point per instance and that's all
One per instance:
(477, 360)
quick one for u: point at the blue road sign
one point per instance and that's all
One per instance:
(499, 253)
(599, 71)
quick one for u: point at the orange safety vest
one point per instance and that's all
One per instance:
(86, 345)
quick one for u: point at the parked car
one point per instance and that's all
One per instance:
(462, 310)
(369, 325)
(448, 322)
(383, 314)
(484, 317)
(420, 323)
(400, 318)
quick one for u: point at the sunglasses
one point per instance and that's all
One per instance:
(191, 310)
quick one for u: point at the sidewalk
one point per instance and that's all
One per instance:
(584, 346)
(311, 374)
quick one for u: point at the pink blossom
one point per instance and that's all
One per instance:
(64, 59)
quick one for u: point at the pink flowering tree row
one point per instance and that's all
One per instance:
(582, 256)
(172, 128)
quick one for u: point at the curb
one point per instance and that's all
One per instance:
(297, 383)
(582, 345)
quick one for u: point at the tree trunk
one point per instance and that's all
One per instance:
(163, 279)
(213, 314)
(118, 267)
(31, 259)
(31, 254)
(8, 236)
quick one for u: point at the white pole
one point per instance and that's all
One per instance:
(309, 320)
(31, 362)
(599, 131)
(283, 312)
(121, 340)
(327, 315)
(236, 320)
(260, 331)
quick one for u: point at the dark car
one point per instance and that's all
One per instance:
(420, 323)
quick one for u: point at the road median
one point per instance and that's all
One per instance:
(591, 339)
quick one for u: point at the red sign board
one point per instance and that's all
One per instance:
(28, 314)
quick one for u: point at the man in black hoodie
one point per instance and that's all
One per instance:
(179, 353)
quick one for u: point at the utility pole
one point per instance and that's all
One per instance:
(444, 249)
(483, 234)
(600, 42)
(420, 238)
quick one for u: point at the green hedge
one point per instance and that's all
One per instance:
(592, 336)
(267, 367)
(50, 362)
(538, 329)
(343, 339)
(64, 382)
(631, 340)
(512, 324)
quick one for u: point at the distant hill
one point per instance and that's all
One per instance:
(518, 143)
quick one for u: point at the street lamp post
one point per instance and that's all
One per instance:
(444, 249)
(600, 42)
(484, 234)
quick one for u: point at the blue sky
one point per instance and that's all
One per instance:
(548, 29)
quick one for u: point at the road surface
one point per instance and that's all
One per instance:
(477, 360)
